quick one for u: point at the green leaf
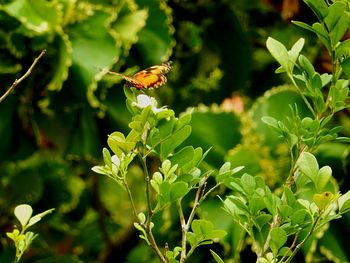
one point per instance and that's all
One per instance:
(323, 177)
(183, 120)
(38, 16)
(272, 202)
(101, 170)
(278, 239)
(295, 51)
(256, 204)
(166, 165)
(226, 173)
(338, 94)
(38, 217)
(87, 45)
(163, 130)
(342, 51)
(203, 230)
(156, 180)
(290, 197)
(141, 217)
(299, 217)
(63, 61)
(23, 213)
(336, 10)
(344, 202)
(310, 124)
(239, 203)
(306, 65)
(183, 157)
(118, 144)
(158, 31)
(285, 211)
(178, 190)
(216, 257)
(248, 183)
(337, 21)
(346, 66)
(308, 165)
(272, 122)
(226, 167)
(319, 7)
(191, 238)
(175, 140)
(164, 114)
(29, 237)
(169, 193)
(107, 157)
(322, 34)
(262, 220)
(304, 25)
(326, 78)
(323, 200)
(279, 52)
(128, 25)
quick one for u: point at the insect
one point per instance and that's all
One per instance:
(149, 78)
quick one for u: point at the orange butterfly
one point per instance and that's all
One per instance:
(149, 78)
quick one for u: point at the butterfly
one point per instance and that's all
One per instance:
(149, 78)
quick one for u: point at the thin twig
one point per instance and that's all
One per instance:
(301, 244)
(291, 247)
(183, 230)
(17, 81)
(186, 226)
(147, 226)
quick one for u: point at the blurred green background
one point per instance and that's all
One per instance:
(53, 127)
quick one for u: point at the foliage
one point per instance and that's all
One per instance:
(309, 198)
(156, 132)
(24, 238)
(55, 122)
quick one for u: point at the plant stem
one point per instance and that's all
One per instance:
(147, 179)
(125, 183)
(275, 222)
(211, 190)
(191, 251)
(195, 205)
(183, 230)
(300, 245)
(185, 226)
(303, 97)
(147, 226)
(17, 81)
(154, 245)
(291, 247)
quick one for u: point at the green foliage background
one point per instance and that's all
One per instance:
(53, 127)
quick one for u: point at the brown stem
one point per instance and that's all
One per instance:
(291, 247)
(301, 244)
(185, 226)
(17, 81)
(183, 230)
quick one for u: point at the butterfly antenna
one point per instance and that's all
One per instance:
(108, 71)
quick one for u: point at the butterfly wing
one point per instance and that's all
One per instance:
(153, 77)
(149, 78)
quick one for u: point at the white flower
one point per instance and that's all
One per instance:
(144, 101)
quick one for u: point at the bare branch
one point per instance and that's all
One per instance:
(17, 81)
